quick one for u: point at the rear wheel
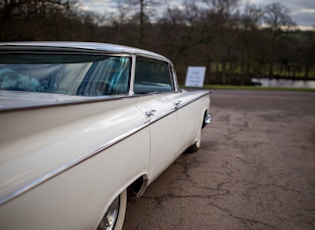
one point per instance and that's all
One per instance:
(196, 145)
(115, 214)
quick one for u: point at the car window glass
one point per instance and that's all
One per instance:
(152, 76)
(86, 75)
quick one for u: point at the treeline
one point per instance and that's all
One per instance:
(235, 43)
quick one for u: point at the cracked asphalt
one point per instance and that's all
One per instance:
(255, 169)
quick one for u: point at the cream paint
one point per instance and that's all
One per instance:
(38, 151)
(49, 139)
(63, 159)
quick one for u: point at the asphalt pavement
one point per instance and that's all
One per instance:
(255, 169)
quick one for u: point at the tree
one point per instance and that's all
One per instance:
(277, 19)
(309, 52)
(16, 15)
(223, 7)
(249, 38)
(143, 9)
(183, 30)
(222, 16)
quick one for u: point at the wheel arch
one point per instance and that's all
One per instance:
(204, 118)
(207, 118)
(138, 186)
(135, 189)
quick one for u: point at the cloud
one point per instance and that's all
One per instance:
(304, 17)
(98, 6)
(302, 12)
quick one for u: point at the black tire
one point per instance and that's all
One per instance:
(196, 145)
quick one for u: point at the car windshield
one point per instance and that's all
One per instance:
(70, 74)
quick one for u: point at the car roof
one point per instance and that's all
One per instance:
(77, 46)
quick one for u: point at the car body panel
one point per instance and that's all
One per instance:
(58, 138)
(70, 200)
(65, 158)
(188, 104)
(163, 146)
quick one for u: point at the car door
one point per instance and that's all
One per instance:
(153, 82)
(189, 119)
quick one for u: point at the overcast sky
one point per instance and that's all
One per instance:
(301, 11)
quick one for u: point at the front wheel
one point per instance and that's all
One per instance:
(115, 214)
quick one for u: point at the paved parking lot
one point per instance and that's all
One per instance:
(255, 169)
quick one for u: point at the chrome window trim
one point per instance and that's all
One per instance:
(132, 74)
(174, 77)
(162, 60)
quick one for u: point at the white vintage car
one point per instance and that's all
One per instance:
(82, 123)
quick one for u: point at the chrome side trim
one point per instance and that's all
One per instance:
(181, 105)
(69, 165)
(90, 154)
(79, 160)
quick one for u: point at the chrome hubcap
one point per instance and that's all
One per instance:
(110, 217)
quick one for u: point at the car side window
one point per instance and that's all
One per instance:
(152, 76)
(71, 74)
(106, 77)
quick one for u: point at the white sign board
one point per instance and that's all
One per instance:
(195, 76)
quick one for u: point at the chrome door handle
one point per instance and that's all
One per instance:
(177, 104)
(150, 113)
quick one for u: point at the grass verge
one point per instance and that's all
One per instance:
(235, 87)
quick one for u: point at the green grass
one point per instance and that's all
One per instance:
(234, 87)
